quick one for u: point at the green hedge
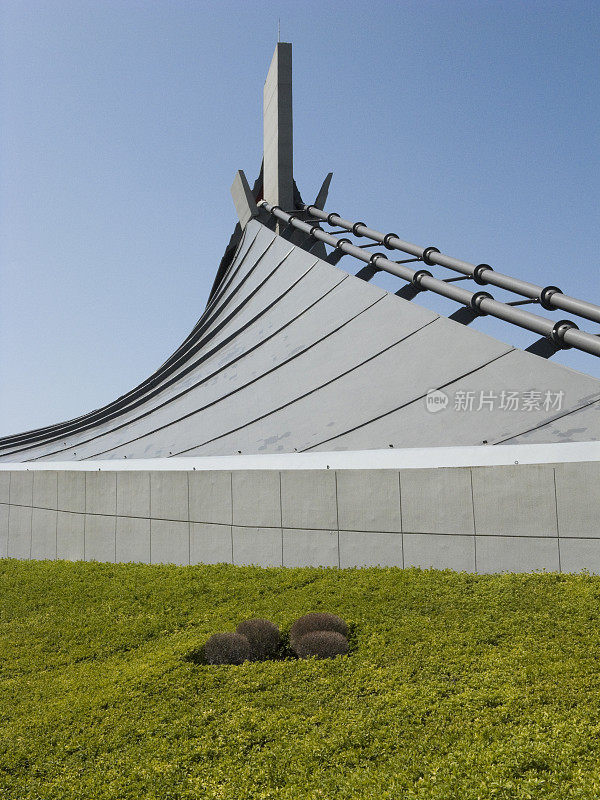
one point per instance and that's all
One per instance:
(458, 686)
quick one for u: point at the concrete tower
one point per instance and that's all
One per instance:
(278, 186)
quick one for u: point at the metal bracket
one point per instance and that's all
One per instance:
(523, 302)
(367, 272)
(335, 256)
(544, 347)
(409, 292)
(464, 315)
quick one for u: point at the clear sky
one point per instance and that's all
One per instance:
(471, 126)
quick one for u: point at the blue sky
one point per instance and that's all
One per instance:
(471, 126)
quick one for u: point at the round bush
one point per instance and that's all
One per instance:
(316, 621)
(322, 644)
(227, 648)
(262, 635)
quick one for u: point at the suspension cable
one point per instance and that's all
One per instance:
(550, 297)
(564, 333)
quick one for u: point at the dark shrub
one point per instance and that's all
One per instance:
(227, 648)
(322, 644)
(316, 621)
(263, 637)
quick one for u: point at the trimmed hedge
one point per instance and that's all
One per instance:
(322, 644)
(316, 621)
(227, 648)
(471, 687)
(263, 636)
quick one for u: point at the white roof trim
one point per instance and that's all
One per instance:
(410, 458)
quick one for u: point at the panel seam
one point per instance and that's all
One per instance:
(401, 520)
(403, 405)
(557, 526)
(313, 390)
(473, 514)
(337, 518)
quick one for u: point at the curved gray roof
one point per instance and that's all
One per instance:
(292, 353)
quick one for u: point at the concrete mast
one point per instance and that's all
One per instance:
(278, 176)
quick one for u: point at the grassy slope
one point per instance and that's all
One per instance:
(461, 686)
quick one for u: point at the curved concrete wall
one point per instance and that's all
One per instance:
(480, 519)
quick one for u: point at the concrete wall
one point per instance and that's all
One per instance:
(517, 518)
